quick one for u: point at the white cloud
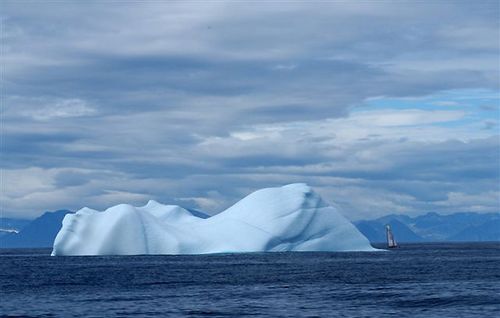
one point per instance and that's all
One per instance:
(358, 127)
(406, 117)
(21, 182)
(476, 202)
(446, 103)
(65, 108)
(119, 196)
(206, 204)
(284, 67)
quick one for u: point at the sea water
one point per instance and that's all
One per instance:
(418, 280)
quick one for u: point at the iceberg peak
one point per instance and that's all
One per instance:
(151, 203)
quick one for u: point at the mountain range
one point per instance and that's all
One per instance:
(40, 232)
(430, 227)
(433, 227)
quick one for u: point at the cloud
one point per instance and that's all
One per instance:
(173, 101)
(445, 103)
(490, 124)
(56, 109)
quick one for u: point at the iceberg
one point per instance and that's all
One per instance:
(288, 218)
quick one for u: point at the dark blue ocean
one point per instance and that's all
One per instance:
(420, 280)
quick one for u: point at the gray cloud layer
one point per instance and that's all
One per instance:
(200, 103)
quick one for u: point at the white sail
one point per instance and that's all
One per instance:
(391, 242)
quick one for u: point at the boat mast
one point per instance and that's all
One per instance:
(391, 242)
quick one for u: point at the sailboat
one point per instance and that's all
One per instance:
(391, 242)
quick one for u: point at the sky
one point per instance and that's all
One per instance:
(381, 106)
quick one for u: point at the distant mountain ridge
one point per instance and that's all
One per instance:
(9, 225)
(40, 232)
(434, 227)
